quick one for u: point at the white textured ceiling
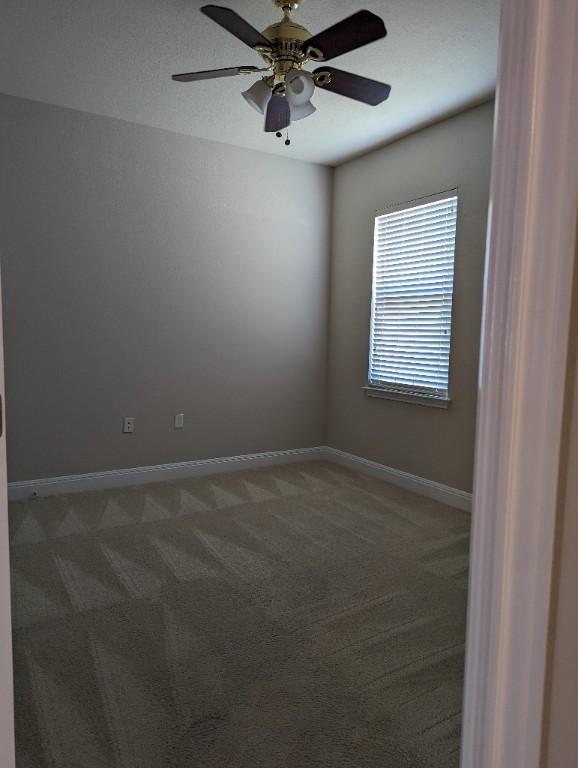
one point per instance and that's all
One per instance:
(115, 58)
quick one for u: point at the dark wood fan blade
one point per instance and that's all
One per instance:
(236, 25)
(355, 87)
(360, 29)
(278, 114)
(190, 77)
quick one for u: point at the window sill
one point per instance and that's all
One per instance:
(402, 397)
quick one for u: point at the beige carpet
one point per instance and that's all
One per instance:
(288, 617)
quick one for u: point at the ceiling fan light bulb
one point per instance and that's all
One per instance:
(300, 87)
(258, 96)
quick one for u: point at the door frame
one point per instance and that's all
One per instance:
(528, 297)
(7, 745)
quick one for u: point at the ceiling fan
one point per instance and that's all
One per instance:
(283, 92)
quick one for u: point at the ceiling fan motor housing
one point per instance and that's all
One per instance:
(287, 38)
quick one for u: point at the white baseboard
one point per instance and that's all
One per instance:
(118, 478)
(444, 493)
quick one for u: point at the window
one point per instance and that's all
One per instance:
(411, 312)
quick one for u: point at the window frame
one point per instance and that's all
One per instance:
(405, 393)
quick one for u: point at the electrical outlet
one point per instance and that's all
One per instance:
(180, 421)
(128, 425)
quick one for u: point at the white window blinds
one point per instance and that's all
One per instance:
(413, 276)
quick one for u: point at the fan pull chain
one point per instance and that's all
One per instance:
(279, 135)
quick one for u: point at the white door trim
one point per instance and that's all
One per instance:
(531, 253)
(7, 745)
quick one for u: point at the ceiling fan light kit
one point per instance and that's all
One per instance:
(258, 96)
(284, 91)
(300, 87)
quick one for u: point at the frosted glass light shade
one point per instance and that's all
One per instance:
(258, 96)
(300, 88)
(299, 113)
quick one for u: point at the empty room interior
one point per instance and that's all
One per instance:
(242, 296)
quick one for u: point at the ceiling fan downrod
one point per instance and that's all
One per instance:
(287, 5)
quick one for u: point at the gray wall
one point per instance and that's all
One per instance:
(148, 273)
(428, 442)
